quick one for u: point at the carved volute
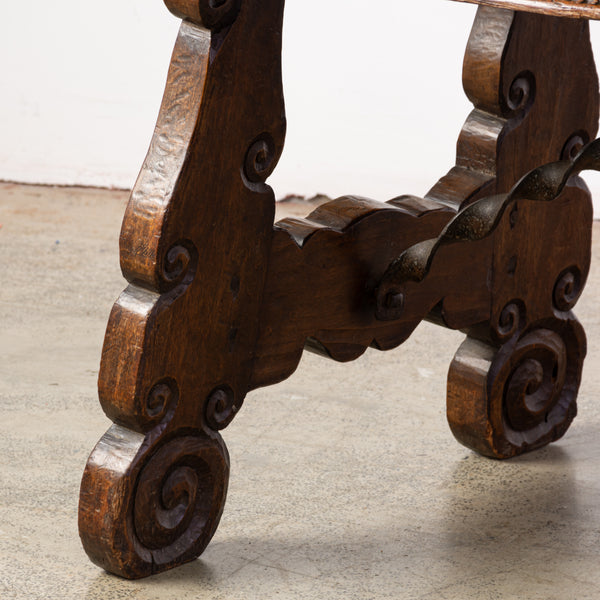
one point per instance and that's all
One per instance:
(220, 300)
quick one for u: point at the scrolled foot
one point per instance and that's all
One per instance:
(502, 403)
(148, 505)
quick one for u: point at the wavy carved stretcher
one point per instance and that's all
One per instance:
(216, 303)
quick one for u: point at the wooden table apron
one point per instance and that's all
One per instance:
(217, 302)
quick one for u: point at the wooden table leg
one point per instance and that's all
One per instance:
(508, 269)
(513, 384)
(217, 302)
(195, 243)
(548, 86)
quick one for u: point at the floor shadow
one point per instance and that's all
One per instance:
(514, 515)
(487, 517)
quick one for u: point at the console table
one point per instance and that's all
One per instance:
(221, 301)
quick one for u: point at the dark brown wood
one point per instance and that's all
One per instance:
(343, 249)
(512, 80)
(221, 300)
(512, 85)
(512, 386)
(195, 242)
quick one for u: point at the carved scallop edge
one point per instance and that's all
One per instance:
(346, 212)
(345, 218)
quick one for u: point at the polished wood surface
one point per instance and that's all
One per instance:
(574, 9)
(195, 242)
(222, 300)
(512, 386)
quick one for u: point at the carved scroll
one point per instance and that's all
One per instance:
(195, 242)
(496, 270)
(220, 301)
(503, 402)
(512, 78)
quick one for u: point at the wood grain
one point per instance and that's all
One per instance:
(195, 242)
(574, 9)
(514, 389)
(512, 80)
(220, 300)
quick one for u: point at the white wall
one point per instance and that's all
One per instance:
(80, 86)
(374, 97)
(375, 104)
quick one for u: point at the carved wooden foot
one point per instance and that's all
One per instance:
(513, 384)
(217, 302)
(156, 500)
(195, 241)
(516, 398)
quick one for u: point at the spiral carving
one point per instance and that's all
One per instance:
(521, 93)
(532, 390)
(179, 264)
(574, 145)
(221, 407)
(509, 320)
(533, 387)
(161, 401)
(567, 289)
(525, 398)
(260, 159)
(179, 498)
(151, 502)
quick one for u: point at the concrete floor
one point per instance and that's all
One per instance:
(345, 483)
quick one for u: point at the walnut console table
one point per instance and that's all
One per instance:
(217, 302)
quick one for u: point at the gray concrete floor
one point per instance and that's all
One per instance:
(346, 481)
